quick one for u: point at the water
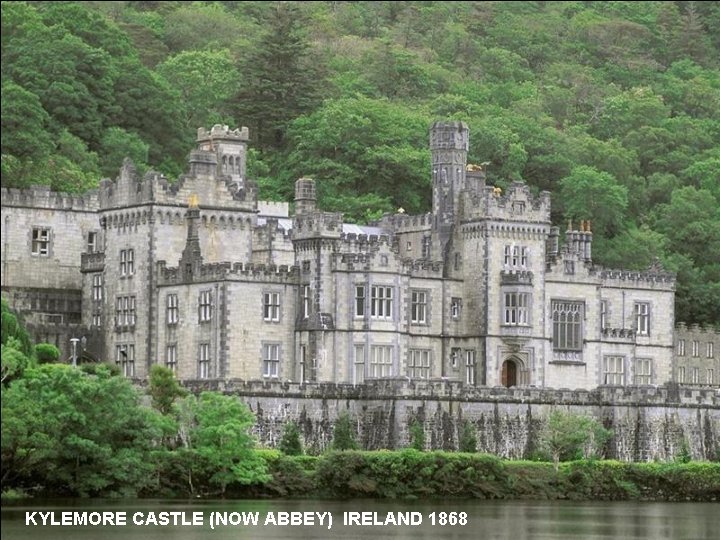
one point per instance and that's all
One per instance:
(486, 520)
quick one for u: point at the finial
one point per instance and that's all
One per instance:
(588, 226)
(193, 201)
(569, 225)
(582, 225)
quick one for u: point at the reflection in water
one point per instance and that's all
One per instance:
(487, 520)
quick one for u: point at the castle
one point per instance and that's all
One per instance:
(202, 277)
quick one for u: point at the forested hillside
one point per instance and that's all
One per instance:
(612, 106)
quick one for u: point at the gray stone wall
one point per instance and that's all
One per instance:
(648, 423)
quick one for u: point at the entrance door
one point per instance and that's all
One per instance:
(508, 376)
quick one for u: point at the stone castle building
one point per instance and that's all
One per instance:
(202, 277)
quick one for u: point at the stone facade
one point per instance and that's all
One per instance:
(647, 423)
(696, 358)
(200, 276)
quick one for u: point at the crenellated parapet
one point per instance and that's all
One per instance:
(226, 271)
(630, 278)
(318, 225)
(364, 243)
(219, 132)
(402, 223)
(517, 203)
(44, 197)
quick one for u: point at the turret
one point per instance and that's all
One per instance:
(305, 198)
(230, 149)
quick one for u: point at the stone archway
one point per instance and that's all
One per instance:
(510, 373)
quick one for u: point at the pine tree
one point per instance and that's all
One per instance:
(290, 443)
(280, 82)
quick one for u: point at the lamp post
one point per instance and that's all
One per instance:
(74, 342)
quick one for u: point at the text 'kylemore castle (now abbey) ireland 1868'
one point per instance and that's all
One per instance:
(202, 277)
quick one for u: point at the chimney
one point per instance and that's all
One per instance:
(305, 197)
(554, 242)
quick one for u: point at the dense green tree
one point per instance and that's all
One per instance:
(221, 439)
(281, 81)
(290, 443)
(590, 194)
(25, 124)
(117, 144)
(205, 80)
(74, 433)
(417, 436)
(164, 389)
(468, 438)
(571, 436)
(344, 434)
(47, 353)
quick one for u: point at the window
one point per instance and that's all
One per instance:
(695, 348)
(271, 306)
(426, 247)
(409, 245)
(125, 311)
(455, 308)
(470, 369)
(710, 352)
(97, 287)
(418, 307)
(603, 314)
(302, 360)
(418, 366)
(681, 347)
(569, 267)
(92, 238)
(643, 371)
(171, 303)
(305, 301)
(567, 319)
(205, 306)
(454, 357)
(271, 360)
(696, 375)
(614, 370)
(681, 375)
(710, 377)
(97, 319)
(518, 207)
(359, 300)
(381, 302)
(381, 361)
(204, 361)
(359, 364)
(127, 262)
(41, 242)
(125, 359)
(642, 318)
(516, 256)
(171, 358)
(515, 311)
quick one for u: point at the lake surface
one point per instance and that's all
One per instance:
(486, 520)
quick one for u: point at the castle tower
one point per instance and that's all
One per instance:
(305, 198)
(230, 146)
(448, 148)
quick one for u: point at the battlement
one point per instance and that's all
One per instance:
(517, 203)
(44, 197)
(443, 390)
(318, 224)
(226, 271)
(367, 242)
(220, 132)
(398, 223)
(625, 278)
(709, 330)
(273, 209)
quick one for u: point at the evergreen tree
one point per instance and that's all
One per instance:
(468, 438)
(290, 443)
(280, 82)
(344, 434)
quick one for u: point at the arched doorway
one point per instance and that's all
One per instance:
(509, 375)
